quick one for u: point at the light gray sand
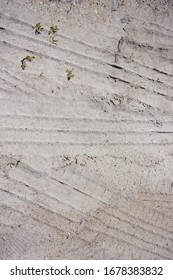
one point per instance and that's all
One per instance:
(94, 177)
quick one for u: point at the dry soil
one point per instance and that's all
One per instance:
(86, 165)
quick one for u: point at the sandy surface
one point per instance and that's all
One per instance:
(86, 165)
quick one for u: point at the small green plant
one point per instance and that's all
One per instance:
(14, 163)
(53, 30)
(25, 59)
(70, 74)
(38, 28)
(23, 65)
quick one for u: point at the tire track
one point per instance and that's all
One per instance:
(95, 152)
(95, 226)
(106, 218)
(65, 37)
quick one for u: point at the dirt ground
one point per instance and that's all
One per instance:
(86, 164)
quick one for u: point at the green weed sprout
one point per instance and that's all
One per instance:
(70, 74)
(38, 28)
(25, 59)
(53, 30)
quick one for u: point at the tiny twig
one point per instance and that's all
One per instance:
(12, 163)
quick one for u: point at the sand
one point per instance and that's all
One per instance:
(86, 164)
